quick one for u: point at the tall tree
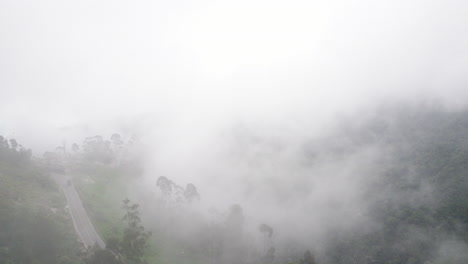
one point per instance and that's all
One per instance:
(191, 193)
(4, 143)
(308, 258)
(13, 144)
(135, 238)
(98, 255)
(75, 148)
(116, 140)
(266, 230)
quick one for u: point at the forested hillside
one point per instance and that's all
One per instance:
(420, 200)
(414, 195)
(409, 201)
(35, 226)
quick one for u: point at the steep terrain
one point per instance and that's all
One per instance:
(35, 226)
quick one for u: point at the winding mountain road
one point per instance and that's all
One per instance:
(83, 225)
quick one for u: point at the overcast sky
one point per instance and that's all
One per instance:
(68, 62)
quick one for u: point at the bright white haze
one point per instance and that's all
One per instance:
(199, 67)
(228, 91)
(63, 62)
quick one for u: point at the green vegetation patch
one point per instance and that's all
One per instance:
(35, 226)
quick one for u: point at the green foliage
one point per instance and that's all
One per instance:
(429, 147)
(308, 258)
(101, 189)
(116, 140)
(13, 153)
(96, 149)
(191, 193)
(269, 256)
(266, 230)
(98, 255)
(135, 239)
(130, 248)
(176, 193)
(34, 226)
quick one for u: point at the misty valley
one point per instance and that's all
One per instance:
(386, 185)
(233, 132)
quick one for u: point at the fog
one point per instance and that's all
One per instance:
(244, 99)
(80, 61)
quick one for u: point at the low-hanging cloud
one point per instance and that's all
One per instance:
(236, 98)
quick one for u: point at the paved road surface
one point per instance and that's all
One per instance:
(83, 225)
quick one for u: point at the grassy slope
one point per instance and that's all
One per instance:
(102, 190)
(33, 218)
